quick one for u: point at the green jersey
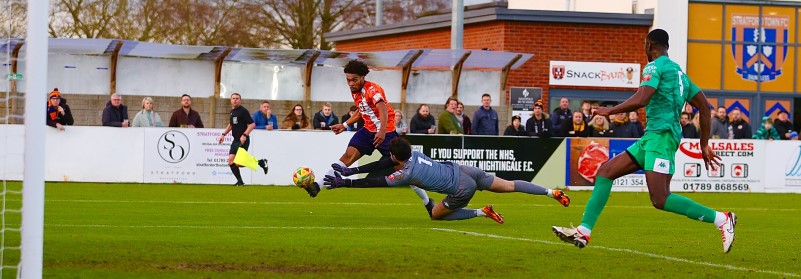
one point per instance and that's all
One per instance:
(673, 88)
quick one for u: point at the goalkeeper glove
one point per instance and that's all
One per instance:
(336, 181)
(345, 171)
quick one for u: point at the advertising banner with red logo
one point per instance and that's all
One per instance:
(783, 168)
(742, 168)
(585, 156)
(596, 74)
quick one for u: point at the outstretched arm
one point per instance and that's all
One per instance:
(336, 181)
(636, 101)
(382, 164)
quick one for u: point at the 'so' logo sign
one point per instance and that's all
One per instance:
(173, 146)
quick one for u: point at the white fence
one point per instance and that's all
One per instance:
(171, 155)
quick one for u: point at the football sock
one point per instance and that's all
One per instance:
(235, 171)
(682, 205)
(598, 199)
(550, 193)
(421, 193)
(720, 219)
(461, 214)
(584, 230)
(480, 212)
(529, 188)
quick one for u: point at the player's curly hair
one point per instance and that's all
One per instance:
(357, 67)
(401, 149)
(659, 37)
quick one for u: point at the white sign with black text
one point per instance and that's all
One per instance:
(597, 74)
(741, 169)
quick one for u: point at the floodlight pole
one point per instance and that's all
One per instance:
(379, 12)
(33, 191)
(457, 24)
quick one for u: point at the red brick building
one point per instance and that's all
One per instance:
(549, 35)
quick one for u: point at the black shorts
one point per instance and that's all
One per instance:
(236, 144)
(470, 180)
(363, 141)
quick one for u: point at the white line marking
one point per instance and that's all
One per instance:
(669, 258)
(223, 227)
(391, 204)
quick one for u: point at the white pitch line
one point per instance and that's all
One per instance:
(224, 227)
(390, 204)
(652, 255)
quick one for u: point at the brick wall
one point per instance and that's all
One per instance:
(547, 41)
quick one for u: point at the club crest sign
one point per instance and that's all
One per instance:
(761, 55)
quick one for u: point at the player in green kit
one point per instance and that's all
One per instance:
(663, 91)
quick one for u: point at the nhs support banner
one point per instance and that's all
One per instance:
(188, 156)
(742, 167)
(585, 156)
(596, 74)
(783, 168)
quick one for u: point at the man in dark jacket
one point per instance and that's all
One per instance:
(739, 127)
(783, 125)
(561, 114)
(58, 112)
(324, 118)
(485, 119)
(115, 114)
(539, 125)
(575, 127)
(688, 130)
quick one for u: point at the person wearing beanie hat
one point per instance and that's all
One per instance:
(767, 131)
(793, 135)
(782, 124)
(58, 112)
(539, 125)
(515, 129)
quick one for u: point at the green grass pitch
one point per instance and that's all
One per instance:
(195, 231)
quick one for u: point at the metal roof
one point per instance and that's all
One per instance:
(429, 59)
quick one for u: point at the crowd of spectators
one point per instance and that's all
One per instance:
(561, 122)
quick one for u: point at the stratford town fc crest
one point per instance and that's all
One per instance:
(558, 71)
(760, 56)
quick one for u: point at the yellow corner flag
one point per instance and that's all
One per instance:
(243, 158)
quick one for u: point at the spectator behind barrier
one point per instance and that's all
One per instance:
(296, 120)
(422, 122)
(539, 125)
(688, 130)
(400, 125)
(115, 114)
(448, 123)
(347, 116)
(58, 112)
(186, 117)
(619, 126)
(264, 117)
(147, 117)
(599, 127)
(485, 119)
(515, 129)
(783, 125)
(767, 131)
(740, 129)
(586, 109)
(720, 124)
(637, 130)
(324, 118)
(575, 126)
(562, 114)
(466, 125)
